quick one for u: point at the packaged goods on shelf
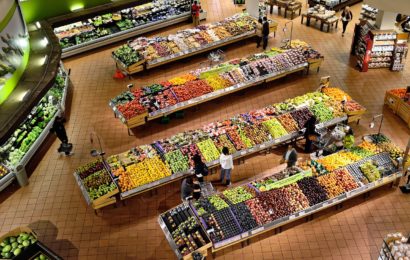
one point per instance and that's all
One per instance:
(395, 246)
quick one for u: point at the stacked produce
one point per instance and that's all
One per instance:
(244, 216)
(336, 93)
(259, 214)
(103, 25)
(345, 180)
(297, 200)
(370, 170)
(331, 185)
(3, 171)
(152, 49)
(400, 93)
(177, 161)
(276, 203)
(288, 123)
(313, 191)
(275, 128)
(208, 150)
(237, 195)
(322, 112)
(12, 246)
(21, 141)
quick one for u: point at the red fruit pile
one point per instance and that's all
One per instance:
(191, 90)
(236, 139)
(131, 109)
(353, 106)
(288, 123)
(276, 203)
(258, 213)
(301, 116)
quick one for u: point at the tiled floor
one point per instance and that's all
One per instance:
(53, 206)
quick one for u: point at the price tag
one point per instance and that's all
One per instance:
(302, 213)
(251, 150)
(325, 204)
(190, 101)
(244, 235)
(262, 146)
(243, 152)
(292, 217)
(257, 230)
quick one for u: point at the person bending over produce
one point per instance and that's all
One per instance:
(226, 162)
(290, 157)
(187, 188)
(310, 133)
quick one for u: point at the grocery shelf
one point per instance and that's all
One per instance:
(123, 35)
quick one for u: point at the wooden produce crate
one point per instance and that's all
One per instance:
(17, 231)
(137, 120)
(105, 200)
(391, 101)
(203, 250)
(403, 110)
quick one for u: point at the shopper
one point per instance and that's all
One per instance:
(200, 168)
(196, 189)
(59, 130)
(291, 156)
(265, 32)
(226, 166)
(187, 189)
(347, 16)
(259, 34)
(195, 10)
(310, 133)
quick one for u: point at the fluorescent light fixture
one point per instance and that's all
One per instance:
(42, 60)
(22, 95)
(44, 42)
(38, 25)
(77, 7)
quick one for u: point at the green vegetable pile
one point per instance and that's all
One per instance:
(13, 246)
(126, 55)
(217, 202)
(275, 128)
(370, 171)
(99, 184)
(177, 161)
(237, 195)
(322, 112)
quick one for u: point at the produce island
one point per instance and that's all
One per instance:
(264, 204)
(145, 53)
(158, 100)
(113, 25)
(150, 166)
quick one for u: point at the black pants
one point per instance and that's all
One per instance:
(344, 25)
(265, 42)
(308, 145)
(258, 41)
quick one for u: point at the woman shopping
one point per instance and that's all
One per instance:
(347, 16)
(226, 162)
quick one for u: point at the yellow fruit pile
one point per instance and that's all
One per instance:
(329, 182)
(124, 180)
(336, 94)
(217, 82)
(334, 161)
(369, 146)
(181, 80)
(350, 156)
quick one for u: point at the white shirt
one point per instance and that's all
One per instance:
(287, 155)
(226, 161)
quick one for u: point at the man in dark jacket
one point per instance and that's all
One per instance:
(265, 32)
(291, 156)
(59, 130)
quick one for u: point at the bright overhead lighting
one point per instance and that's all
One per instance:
(42, 60)
(44, 42)
(77, 7)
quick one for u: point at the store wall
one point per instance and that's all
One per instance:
(35, 10)
(395, 6)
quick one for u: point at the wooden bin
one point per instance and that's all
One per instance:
(137, 120)
(391, 101)
(203, 250)
(105, 200)
(17, 231)
(403, 110)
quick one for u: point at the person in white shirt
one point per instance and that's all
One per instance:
(291, 156)
(226, 165)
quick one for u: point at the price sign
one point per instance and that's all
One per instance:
(262, 146)
(302, 213)
(257, 230)
(243, 152)
(325, 204)
(244, 235)
(292, 217)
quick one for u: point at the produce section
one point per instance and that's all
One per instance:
(26, 140)
(146, 53)
(161, 162)
(136, 107)
(113, 26)
(249, 209)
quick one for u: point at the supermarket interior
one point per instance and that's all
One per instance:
(209, 129)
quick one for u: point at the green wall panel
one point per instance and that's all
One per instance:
(35, 10)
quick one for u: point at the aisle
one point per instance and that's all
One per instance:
(131, 232)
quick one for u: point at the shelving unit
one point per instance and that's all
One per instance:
(368, 13)
(378, 48)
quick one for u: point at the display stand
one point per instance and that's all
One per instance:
(325, 17)
(398, 106)
(335, 5)
(291, 6)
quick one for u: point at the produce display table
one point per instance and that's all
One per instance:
(33, 132)
(395, 100)
(162, 99)
(335, 5)
(235, 213)
(291, 6)
(325, 17)
(150, 166)
(146, 53)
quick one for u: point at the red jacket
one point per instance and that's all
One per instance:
(195, 10)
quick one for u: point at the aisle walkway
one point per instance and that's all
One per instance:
(52, 204)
